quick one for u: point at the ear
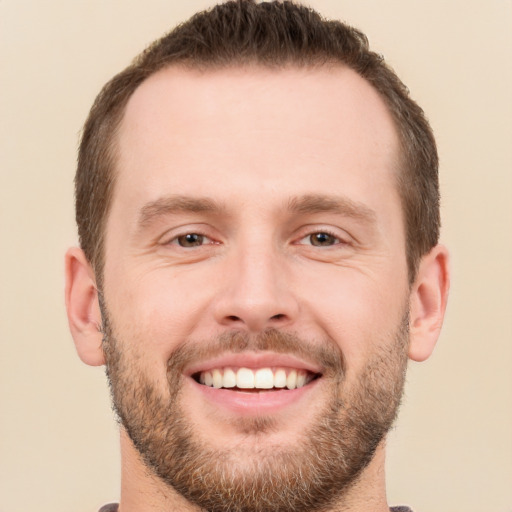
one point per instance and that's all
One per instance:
(83, 308)
(428, 302)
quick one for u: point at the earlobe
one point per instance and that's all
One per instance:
(429, 296)
(83, 309)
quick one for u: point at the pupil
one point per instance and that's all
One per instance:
(322, 239)
(190, 240)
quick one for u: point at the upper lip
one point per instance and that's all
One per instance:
(253, 360)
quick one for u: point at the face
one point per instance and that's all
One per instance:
(255, 297)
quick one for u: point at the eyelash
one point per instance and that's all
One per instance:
(200, 238)
(336, 239)
(176, 240)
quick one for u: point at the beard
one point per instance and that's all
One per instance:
(312, 475)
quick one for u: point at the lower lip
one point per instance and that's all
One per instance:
(254, 403)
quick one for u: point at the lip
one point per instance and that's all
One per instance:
(254, 360)
(253, 403)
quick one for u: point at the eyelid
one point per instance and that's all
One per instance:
(342, 237)
(206, 240)
(172, 235)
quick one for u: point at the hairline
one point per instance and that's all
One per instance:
(113, 149)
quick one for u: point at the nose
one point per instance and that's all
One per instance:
(258, 292)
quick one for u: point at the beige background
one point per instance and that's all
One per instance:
(452, 449)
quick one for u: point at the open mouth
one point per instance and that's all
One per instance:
(260, 379)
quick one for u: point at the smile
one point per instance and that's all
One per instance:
(252, 383)
(255, 378)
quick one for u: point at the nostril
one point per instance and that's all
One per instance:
(280, 316)
(233, 318)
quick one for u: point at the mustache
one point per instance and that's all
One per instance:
(324, 352)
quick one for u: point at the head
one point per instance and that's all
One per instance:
(257, 203)
(271, 35)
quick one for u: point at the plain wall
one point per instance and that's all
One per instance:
(452, 448)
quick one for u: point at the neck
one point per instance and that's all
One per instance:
(141, 491)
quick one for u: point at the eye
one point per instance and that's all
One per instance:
(320, 239)
(191, 240)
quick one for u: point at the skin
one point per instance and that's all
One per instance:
(253, 142)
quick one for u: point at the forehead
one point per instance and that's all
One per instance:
(193, 130)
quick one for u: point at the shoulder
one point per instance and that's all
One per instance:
(111, 507)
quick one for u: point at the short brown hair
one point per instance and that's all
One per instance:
(269, 34)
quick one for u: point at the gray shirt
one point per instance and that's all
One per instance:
(112, 507)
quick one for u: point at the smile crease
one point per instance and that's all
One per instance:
(261, 378)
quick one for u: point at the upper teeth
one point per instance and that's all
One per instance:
(262, 378)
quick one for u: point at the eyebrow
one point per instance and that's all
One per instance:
(307, 204)
(176, 204)
(319, 203)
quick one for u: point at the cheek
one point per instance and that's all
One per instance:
(156, 308)
(360, 311)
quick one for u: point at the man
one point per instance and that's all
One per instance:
(258, 210)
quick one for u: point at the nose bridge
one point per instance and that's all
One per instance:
(258, 295)
(259, 273)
